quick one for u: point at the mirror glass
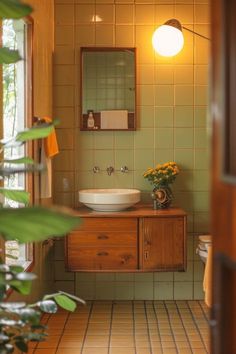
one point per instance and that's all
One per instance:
(108, 92)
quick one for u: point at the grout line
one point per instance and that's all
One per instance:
(158, 329)
(110, 330)
(86, 330)
(183, 326)
(195, 322)
(59, 341)
(134, 335)
(148, 330)
(169, 319)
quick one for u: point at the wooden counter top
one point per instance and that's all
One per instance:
(139, 210)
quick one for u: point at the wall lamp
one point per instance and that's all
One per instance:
(168, 39)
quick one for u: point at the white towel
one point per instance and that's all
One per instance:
(115, 119)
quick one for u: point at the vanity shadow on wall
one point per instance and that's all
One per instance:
(108, 89)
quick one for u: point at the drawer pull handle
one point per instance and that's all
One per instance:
(102, 254)
(102, 237)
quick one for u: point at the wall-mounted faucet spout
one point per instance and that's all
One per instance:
(110, 170)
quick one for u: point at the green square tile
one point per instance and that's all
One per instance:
(201, 181)
(124, 277)
(184, 181)
(200, 116)
(183, 290)
(198, 270)
(202, 160)
(164, 276)
(164, 74)
(60, 272)
(145, 95)
(201, 76)
(84, 277)
(183, 200)
(145, 74)
(190, 223)
(163, 155)
(201, 95)
(201, 138)
(201, 222)
(164, 138)
(190, 249)
(105, 290)
(143, 277)
(184, 158)
(85, 160)
(84, 180)
(164, 117)
(124, 140)
(164, 95)
(105, 277)
(124, 180)
(201, 201)
(103, 159)
(104, 140)
(183, 138)
(59, 251)
(140, 182)
(67, 286)
(124, 158)
(183, 95)
(143, 158)
(103, 180)
(124, 291)
(146, 116)
(183, 116)
(85, 290)
(144, 138)
(198, 293)
(183, 74)
(143, 291)
(163, 290)
(185, 276)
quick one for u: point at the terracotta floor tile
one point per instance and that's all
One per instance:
(67, 351)
(95, 351)
(45, 351)
(121, 351)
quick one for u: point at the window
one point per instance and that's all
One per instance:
(17, 114)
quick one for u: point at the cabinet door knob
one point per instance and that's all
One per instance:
(103, 237)
(146, 255)
(147, 243)
(102, 254)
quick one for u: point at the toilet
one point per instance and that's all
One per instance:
(204, 241)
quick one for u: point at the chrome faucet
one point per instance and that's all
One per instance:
(96, 169)
(124, 169)
(110, 170)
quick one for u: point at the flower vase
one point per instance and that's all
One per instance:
(162, 197)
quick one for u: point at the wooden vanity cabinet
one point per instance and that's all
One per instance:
(139, 240)
(162, 243)
(103, 244)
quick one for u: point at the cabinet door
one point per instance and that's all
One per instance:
(163, 243)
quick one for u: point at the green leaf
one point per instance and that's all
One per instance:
(35, 224)
(23, 287)
(24, 160)
(9, 56)
(29, 315)
(14, 9)
(16, 269)
(65, 302)
(22, 346)
(17, 195)
(48, 306)
(37, 132)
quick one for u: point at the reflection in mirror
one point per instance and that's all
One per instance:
(108, 96)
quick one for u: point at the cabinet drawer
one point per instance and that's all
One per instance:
(106, 258)
(108, 224)
(98, 239)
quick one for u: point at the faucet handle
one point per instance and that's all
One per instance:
(110, 170)
(124, 169)
(96, 169)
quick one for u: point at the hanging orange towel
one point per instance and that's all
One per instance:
(207, 281)
(50, 143)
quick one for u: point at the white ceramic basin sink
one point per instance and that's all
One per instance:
(109, 199)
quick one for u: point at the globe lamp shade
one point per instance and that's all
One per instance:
(168, 40)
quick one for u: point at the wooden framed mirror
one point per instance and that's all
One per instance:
(108, 89)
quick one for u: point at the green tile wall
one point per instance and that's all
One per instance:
(172, 125)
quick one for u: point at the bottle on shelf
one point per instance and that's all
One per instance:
(90, 121)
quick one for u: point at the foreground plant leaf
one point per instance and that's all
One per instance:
(14, 9)
(35, 224)
(37, 132)
(20, 160)
(65, 302)
(8, 56)
(14, 194)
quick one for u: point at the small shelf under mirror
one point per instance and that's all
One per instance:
(108, 89)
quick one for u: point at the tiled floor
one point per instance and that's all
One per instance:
(129, 327)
